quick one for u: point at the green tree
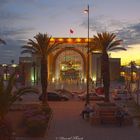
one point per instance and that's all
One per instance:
(7, 99)
(106, 42)
(133, 68)
(42, 47)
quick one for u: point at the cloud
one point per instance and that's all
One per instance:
(103, 23)
(3, 2)
(128, 32)
(14, 38)
(11, 51)
(15, 31)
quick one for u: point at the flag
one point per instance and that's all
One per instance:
(71, 31)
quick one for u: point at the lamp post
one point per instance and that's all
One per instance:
(138, 83)
(88, 49)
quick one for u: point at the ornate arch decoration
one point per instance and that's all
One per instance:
(64, 49)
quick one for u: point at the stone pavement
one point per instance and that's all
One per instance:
(67, 124)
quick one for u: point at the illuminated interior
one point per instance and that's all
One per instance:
(69, 65)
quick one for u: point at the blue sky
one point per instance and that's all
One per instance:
(22, 19)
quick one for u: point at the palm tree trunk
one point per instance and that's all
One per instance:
(106, 75)
(44, 79)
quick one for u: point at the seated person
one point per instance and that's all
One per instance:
(87, 111)
(120, 116)
(125, 110)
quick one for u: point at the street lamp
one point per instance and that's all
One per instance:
(88, 49)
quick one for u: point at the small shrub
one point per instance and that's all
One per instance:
(36, 127)
(36, 119)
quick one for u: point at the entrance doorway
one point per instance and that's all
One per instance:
(69, 65)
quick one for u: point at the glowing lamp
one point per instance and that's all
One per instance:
(78, 40)
(61, 39)
(52, 39)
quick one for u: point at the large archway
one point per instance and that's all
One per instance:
(69, 63)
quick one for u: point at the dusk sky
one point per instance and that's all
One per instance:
(22, 19)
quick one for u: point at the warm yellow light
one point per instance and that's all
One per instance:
(62, 67)
(52, 39)
(78, 40)
(61, 39)
(122, 73)
(86, 40)
(14, 65)
(134, 73)
(94, 78)
(4, 65)
(53, 79)
(96, 51)
(69, 40)
(131, 54)
(85, 80)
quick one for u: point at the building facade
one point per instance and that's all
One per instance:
(69, 62)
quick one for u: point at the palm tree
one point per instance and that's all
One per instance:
(7, 99)
(41, 47)
(106, 42)
(132, 69)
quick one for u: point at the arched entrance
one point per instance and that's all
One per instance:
(69, 63)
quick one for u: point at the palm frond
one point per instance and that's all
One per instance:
(52, 47)
(23, 91)
(105, 41)
(114, 44)
(117, 48)
(48, 39)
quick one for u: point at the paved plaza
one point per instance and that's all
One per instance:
(67, 124)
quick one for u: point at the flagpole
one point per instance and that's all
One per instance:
(69, 35)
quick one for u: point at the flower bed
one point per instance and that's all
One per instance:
(36, 120)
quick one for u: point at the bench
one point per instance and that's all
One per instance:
(109, 117)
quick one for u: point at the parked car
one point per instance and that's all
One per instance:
(92, 96)
(53, 96)
(65, 92)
